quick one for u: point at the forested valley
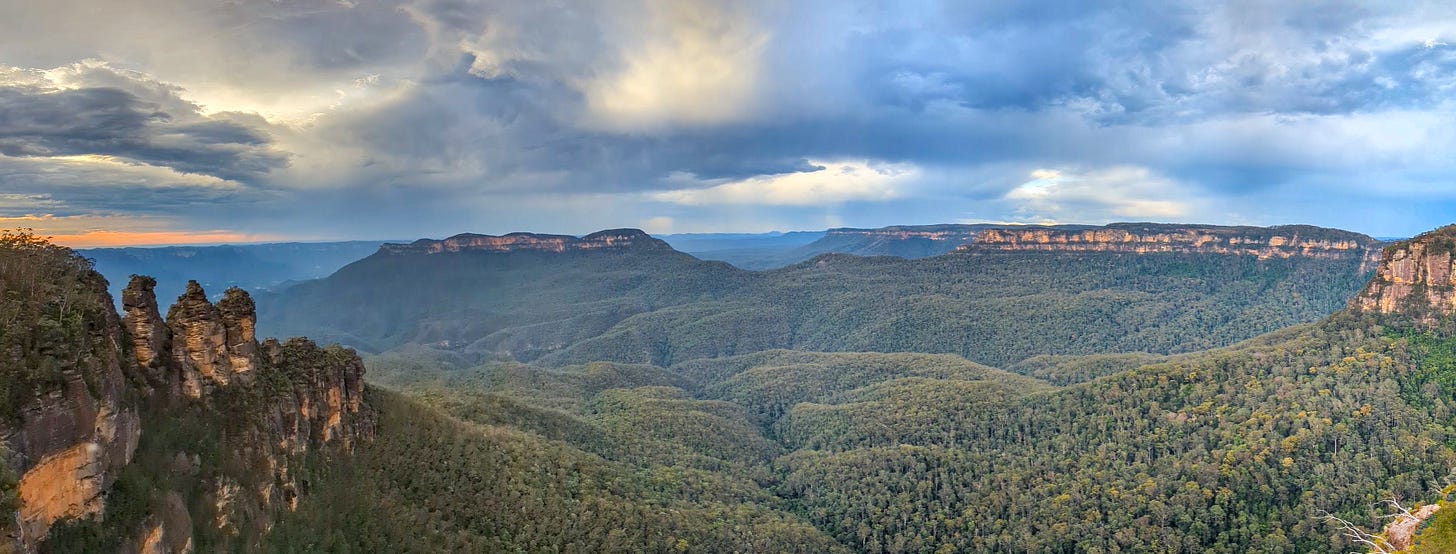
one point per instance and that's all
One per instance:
(1005, 402)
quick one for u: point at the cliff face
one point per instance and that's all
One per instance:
(257, 412)
(1416, 279)
(529, 242)
(1262, 242)
(70, 439)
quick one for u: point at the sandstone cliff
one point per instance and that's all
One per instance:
(1262, 242)
(234, 423)
(529, 242)
(71, 439)
(1416, 279)
(919, 241)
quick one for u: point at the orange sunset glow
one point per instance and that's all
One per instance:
(100, 239)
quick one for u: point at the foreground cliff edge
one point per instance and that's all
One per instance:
(1414, 288)
(173, 435)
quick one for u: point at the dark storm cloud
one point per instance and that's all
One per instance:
(80, 188)
(461, 112)
(38, 123)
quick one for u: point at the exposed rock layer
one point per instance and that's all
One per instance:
(283, 402)
(1271, 242)
(70, 439)
(529, 242)
(1416, 278)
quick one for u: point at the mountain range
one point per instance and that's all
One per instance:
(624, 296)
(1121, 388)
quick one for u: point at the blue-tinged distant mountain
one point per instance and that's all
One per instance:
(714, 242)
(745, 250)
(247, 266)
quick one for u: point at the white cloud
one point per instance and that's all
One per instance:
(657, 225)
(834, 183)
(1118, 192)
(699, 65)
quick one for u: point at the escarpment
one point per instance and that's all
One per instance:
(218, 427)
(918, 241)
(1416, 279)
(530, 242)
(1262, 242)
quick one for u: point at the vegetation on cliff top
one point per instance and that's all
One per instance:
(51, 307)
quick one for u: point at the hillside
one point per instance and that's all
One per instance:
(646, 303)
(517, 296)
(183, 433)
(1236, 449)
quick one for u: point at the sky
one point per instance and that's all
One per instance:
(192, 121)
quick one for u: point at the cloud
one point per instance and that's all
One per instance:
(657, 225)
(1101, 195)
(629, 66)
(408, 117)
(828, 183)
(89, 109)
(90, 231)
(699, 65)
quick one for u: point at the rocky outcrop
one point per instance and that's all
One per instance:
(1262, 242)
(239, 319)
(168, 531)
(1416, 279)
(276, 406)
(1400, 534)
(530, 242)
(299, 399)
(214, 346)
(67, 441)
(150, 338)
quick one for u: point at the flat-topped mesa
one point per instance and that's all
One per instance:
(529, 242)
(1416, 279)
(1263, 242)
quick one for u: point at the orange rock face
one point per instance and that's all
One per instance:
(1220, 241)
(1415, 278)
(64, 484)
(71, 440)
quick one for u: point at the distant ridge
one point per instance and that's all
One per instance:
(1142, 238)
(529, 242)
(923, 241)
